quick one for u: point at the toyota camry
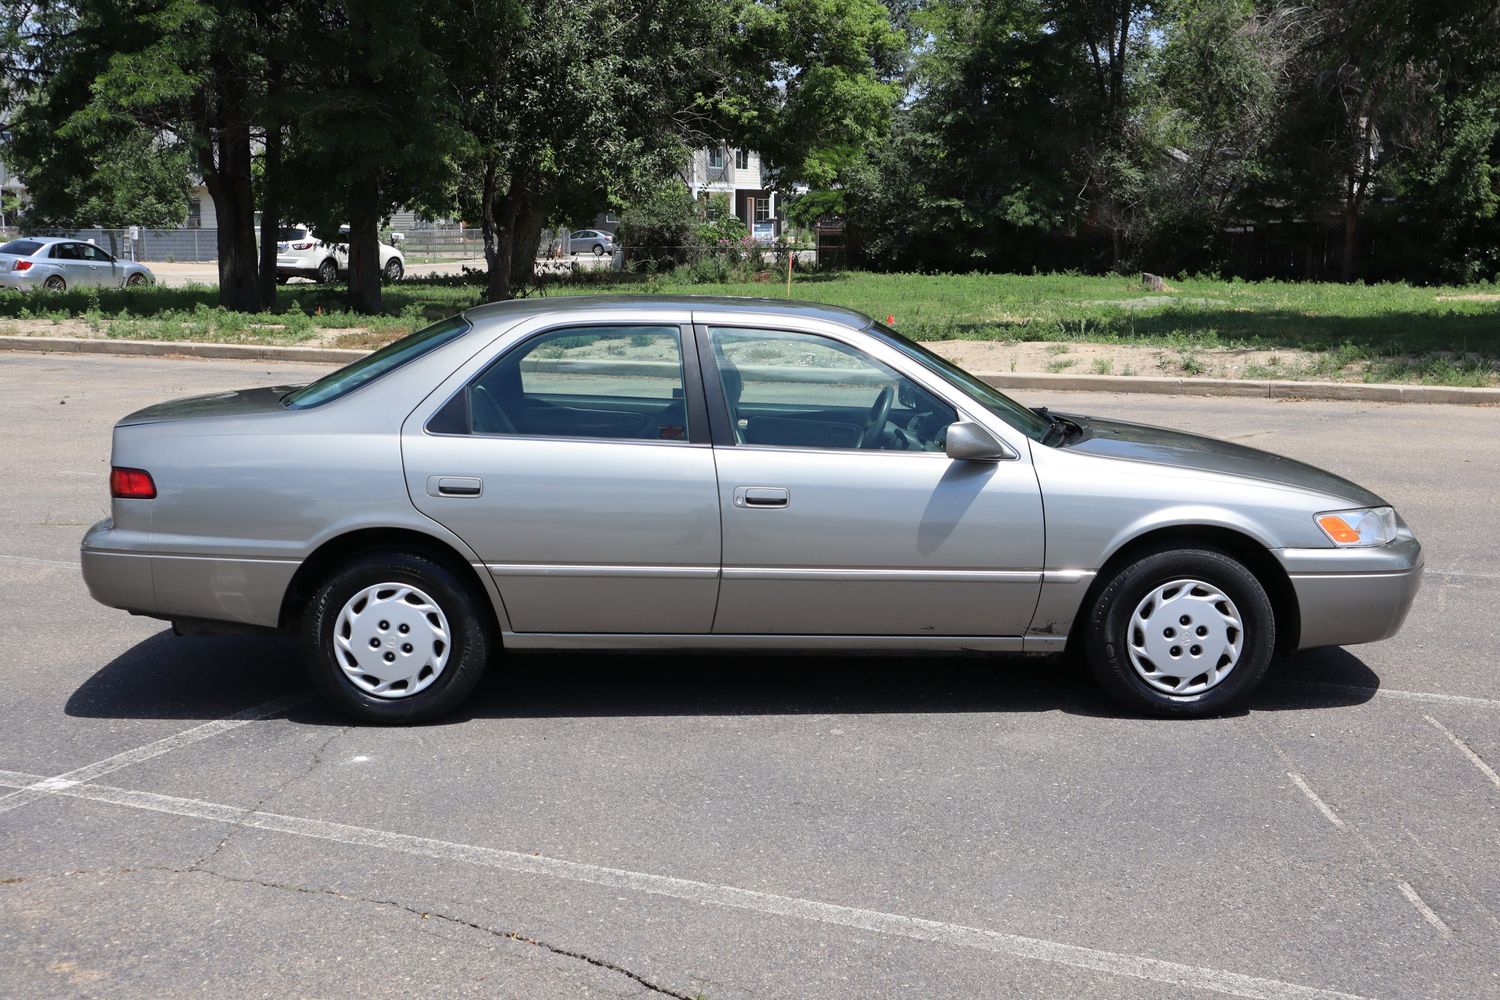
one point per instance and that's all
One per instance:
(709, 474)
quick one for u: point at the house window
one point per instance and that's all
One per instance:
(611, 218)
(742, 159)
(195, 213)
(716, 159)
(762, 209)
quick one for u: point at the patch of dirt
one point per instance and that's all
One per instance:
(47, 328)
(1470, 297)
(1115, 359)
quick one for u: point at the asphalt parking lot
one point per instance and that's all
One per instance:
(178, 819)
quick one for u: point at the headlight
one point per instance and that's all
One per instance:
(1357, 528)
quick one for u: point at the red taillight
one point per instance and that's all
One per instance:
(21, 265)
(131, 484)
(302, 246)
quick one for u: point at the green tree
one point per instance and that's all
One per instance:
(369, 132)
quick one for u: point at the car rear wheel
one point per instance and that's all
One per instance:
(393, 269)
(598, 249)
(395, 638)
(282, 279)
(55, 284)
(328, 272)
(1181, 633)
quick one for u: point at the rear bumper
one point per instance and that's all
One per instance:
(121, 571)
(1350, 596)
(117, 568)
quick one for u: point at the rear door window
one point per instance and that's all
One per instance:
(613, 382)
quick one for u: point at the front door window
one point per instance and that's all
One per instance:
(798, 390)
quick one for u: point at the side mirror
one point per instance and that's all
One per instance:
(969, 442)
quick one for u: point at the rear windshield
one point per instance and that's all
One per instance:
(368, 369)
(21, 248)
(292, 234)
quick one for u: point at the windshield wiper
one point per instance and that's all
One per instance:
(1062, 425)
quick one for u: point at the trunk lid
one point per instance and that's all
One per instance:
(235, 403)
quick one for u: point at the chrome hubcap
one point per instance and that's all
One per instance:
(1185, 637)
(392, 640)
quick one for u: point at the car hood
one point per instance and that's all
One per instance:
(235, 403)
(1175, 449)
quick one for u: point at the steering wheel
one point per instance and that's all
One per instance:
(879, 413)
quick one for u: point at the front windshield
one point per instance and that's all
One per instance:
(368, 369)
(986, 395)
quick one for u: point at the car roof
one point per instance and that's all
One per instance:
(574, 304)
(49, 240)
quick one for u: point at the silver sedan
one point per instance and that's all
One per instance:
(723, 474)
(56, 264)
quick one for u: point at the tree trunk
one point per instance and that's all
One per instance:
(270, 214)
(528, 235)
(270, 200)
(364, 246)
(487, 198)
(1351, 245)
(501, 214)
(230, 187)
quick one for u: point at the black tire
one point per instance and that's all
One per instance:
(470, 627)
(55, 284)
(282, 279)
(328, 272)
(1109, 622)
(393, 270)
(598, 249)
(135, 281)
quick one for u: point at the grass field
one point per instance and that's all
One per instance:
(1375, 333)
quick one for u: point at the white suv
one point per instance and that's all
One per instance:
(300, 254)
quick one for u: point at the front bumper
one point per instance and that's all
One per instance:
(1354, 595)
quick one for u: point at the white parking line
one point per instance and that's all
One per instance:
(1428, 914)
(873, 921)
(1463, 748)
(1312, 796)
(162, 746)
(73, 564)
(1433, 696)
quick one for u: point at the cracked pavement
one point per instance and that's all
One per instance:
(730, 827)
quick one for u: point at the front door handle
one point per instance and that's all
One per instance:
(455, 486)
(758, 497)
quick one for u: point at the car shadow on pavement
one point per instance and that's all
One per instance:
(170, 677)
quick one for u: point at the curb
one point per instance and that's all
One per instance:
(177, 349)
(1378, 392)
(1252, 388)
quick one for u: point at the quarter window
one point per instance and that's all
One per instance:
(798, 390)
(615, 382)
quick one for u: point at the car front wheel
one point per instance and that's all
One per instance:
(394, 270)
(395, 638)
(1181, 633)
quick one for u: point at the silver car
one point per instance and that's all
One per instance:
(723, 474)
(591, 241)
(56, 264)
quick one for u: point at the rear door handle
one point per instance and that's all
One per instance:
(761, 496)
(455, 486)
